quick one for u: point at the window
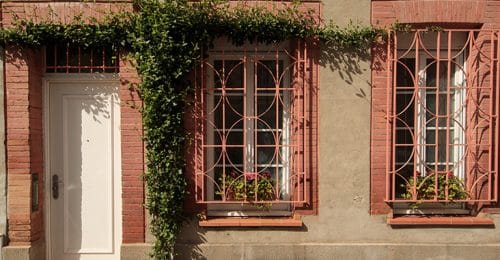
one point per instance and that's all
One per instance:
(67, 58)
(442, 117)
(254, 121)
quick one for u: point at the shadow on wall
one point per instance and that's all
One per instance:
(345, 62)
(193, 236)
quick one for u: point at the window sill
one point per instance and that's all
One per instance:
(295, 221)
(415, 221)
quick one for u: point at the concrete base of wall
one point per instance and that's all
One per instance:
(372, 251)
(135, 251)
(16, 252)
(35, 251)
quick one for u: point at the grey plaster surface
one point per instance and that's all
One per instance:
(341, 251)
(36, 251)
(135, 251)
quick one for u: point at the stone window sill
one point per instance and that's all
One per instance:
(415, 221)
(294, 221)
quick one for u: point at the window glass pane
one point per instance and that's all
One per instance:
(431, 123)
(441, 146)
(69, 58)
(442, 151)
(404, 136)
(430, 104)
(430, 153)
(266, 74)
(61, 57)
(234, 156)
(234, 137)
(443, 107)
(405, 108)
(430, 137)
(404, 154)
(85, 59)
(229, 111)
(97, 59)
(110, 59)
(268, 111)
(403, 174)
(217, 156)
(269, 137)
(266, 156)
(431, 74)
(216, 137)
(229, 72)
(73, 58)
(405, 70)
(49, 58)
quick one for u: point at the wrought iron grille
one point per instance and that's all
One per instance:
(443, 95)
(67, 58)
(253, 120)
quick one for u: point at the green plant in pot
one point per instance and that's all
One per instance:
(425, 187)
(250, 187)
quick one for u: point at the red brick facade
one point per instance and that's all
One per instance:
(24, 143)
(24, 125)
(132, 156)
(24, 129)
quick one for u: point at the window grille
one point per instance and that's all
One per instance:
(254, 109)
(443, 94)
(67, 58)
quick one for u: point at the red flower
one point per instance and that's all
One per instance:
(450, 174)
(419, 173)
(267, 174)
(250, 176)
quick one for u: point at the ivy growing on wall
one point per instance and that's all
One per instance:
(166, 39)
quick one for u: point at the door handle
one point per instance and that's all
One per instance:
(55, 186)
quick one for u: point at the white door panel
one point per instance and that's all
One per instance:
(83, 152)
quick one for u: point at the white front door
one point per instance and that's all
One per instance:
(83, 174)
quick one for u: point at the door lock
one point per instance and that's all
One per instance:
(55, 186)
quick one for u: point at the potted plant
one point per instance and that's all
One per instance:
(250, 187)
(425, 187)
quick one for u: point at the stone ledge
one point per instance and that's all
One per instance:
(295, 221)
(136, 251)
(415, 220)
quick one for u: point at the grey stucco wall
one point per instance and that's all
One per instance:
(343, 229)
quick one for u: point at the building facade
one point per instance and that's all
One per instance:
(299, 151)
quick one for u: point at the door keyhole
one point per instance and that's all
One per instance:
(55, 186)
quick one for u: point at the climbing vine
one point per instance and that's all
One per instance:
(166, 39)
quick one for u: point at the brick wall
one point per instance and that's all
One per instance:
(23, 79)
(24, 142)
(18, 146)
(132, 155)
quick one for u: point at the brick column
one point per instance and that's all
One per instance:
(24, 143)
(134, 220)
